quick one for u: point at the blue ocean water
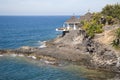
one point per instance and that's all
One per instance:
(17, 31)
(14, 68)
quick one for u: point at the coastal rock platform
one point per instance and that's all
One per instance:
(75, 46)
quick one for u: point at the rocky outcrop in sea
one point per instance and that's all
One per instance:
(74, 46)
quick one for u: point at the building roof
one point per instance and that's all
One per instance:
(73, 19)
(87, 17)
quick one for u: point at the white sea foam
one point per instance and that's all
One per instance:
(21, 55)
(48, 62)
(1, 55)
(13, 55)
(42, 44)
(33, 57)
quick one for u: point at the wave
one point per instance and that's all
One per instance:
(33, 57)
(42, 44)
(1, 55)
(13, 55)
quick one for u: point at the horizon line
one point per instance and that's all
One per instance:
(41, 14)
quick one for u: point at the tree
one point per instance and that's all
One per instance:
(112, 10)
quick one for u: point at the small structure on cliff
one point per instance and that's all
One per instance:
(74, 23)
(70, 24)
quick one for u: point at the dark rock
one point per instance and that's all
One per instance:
(75, 46)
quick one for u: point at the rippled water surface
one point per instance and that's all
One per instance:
(21, 68)
(17, 31)
(12, 68)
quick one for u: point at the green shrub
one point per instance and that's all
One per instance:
(96, 17)
(92, 27)
(116, 43)
(112, 10)
(118, 33)
(110, 20)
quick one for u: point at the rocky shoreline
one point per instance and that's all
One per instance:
(75, 46)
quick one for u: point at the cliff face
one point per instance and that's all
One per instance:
(72, 38)
(102, 56)
(107, 36)
(75, 46)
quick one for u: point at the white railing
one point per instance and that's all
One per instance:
(67, 29)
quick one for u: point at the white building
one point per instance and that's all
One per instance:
(74, 23)
(70, 24)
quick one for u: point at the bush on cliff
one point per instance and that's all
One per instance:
(116, 43)
(112, 10)
(118, 33)
(110, 14)
(93, 26)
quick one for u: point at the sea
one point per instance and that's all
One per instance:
(18, 31)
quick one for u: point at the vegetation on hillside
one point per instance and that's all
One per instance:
(93, 26)
(109, 15)
(116, 43)
(112, 10)
(112, 13)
